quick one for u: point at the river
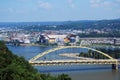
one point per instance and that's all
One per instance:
(76, 72)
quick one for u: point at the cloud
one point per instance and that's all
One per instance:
(95, 3)
(102, 3)
(71, 4)
(45, 5)
(107, 3)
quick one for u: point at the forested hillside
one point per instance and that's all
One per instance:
(80, 24)
(13, 67)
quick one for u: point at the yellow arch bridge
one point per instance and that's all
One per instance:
(109, 59)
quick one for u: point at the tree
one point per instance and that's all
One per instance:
(13, 67)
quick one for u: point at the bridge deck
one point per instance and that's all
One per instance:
(72, 62)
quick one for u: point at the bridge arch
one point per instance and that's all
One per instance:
(64, 47)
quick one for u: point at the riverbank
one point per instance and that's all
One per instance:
(54, 45)
(33, 44)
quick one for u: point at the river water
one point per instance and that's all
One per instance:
(76, 72)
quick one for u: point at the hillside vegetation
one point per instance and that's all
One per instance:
(13, 67)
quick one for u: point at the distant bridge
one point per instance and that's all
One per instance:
(109, 59)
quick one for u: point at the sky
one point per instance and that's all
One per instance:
(58, 10)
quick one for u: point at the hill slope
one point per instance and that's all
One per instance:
(13, 67)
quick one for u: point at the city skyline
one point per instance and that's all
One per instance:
(58, 10)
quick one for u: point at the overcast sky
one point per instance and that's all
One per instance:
(58, 10)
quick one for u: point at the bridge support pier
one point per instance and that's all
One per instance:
(114, 66)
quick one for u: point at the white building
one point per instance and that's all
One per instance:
(26, 41)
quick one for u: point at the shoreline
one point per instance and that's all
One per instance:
(32, 44)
